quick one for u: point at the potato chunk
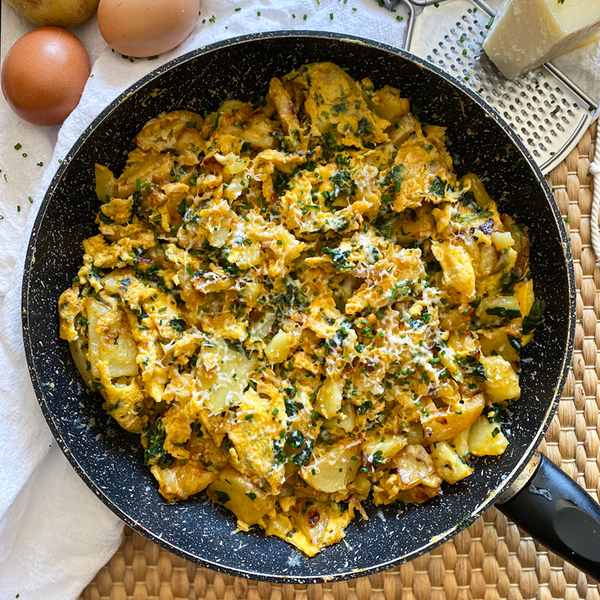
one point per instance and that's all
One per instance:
(333, 469)
(110, 340)
(329, 398)
(486, 438)
(443, 425)
(448, 463)
(502, 383)
(245, 499)
(225, 375)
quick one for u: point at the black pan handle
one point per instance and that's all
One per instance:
(558, 513)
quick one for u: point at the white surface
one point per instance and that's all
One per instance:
(54, 533)
(528, 33)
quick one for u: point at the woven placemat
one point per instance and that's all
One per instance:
(491, 559)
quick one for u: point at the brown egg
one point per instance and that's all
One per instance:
(44, 74)
(143, 28)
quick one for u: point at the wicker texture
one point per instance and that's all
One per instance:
(490, 560)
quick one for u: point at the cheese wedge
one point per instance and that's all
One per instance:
(527, 33)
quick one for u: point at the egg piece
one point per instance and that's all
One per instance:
(44, 74)
(142, 28)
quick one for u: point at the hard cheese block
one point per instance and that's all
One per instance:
(528, 33)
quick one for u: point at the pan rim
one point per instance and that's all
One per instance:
(382, 564)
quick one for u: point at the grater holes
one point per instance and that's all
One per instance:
(527, 103)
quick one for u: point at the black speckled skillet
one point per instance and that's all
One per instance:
(110, 460)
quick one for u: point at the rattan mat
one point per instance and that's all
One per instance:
(492, 559)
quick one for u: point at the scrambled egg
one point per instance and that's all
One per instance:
(298, 305)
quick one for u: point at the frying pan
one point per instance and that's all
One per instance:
(110, 460)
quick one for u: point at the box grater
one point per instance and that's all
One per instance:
(545, 109)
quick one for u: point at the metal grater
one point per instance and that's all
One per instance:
(545, 109)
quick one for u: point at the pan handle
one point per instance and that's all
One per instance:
(558, 513)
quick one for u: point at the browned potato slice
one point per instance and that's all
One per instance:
(331, 470)
(110, 340)
(245, 499)
(443, 425)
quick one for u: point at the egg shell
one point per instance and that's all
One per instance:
(142, 28)
(44, 74)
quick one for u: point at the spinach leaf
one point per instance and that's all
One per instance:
(339, 257)
(303, 456)
(104, 218)
(364, 407)
(237, 347)
(509, 280)
(535, 317)
(397, 175)
(182, 208)
(292, 407)
(515, 342)
(222, 497)
(468, 199)
(438, 187)
(295, 439)
(280, 183)
(177, 324)
(364, 127)
(155, 449)
(342, 184)
(505, 313)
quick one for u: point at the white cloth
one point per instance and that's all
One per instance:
(54, 533)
